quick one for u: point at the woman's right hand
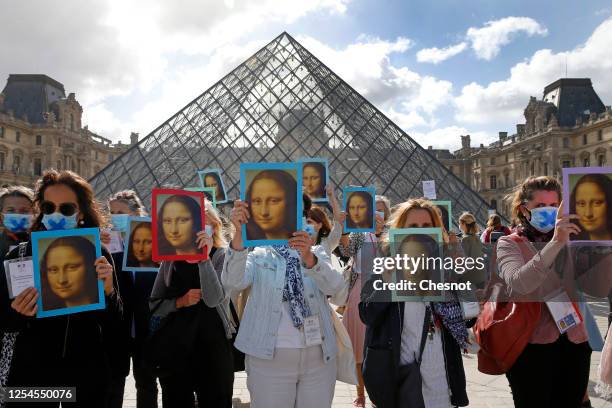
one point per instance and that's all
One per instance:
(192, 297)
(240, 215)
(25, 302)
(564, 226)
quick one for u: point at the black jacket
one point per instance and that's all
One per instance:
(135, 291)
(381, 361)
(68, 350)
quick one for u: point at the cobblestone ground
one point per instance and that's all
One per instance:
(484, 391)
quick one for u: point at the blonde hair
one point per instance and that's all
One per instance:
(387, 204)
(469, 221)
(219, 238)
(400, 215)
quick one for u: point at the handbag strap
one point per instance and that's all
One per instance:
(426, 323)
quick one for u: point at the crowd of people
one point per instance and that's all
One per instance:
(273, 310)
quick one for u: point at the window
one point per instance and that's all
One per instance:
(507, 179)
(1, 132)
(110, 159)
(96, 155)
(59, 141)
(71, 121)
(18, 137)
(16, 163)
(38, 140)
(450, 168)
(37, 167)
(494, 204)
(546, 169)
(493, 182)
(2, 160)
(506, 157)
(566, 164)
(599, 135)
(601, 160)
(532, 169)
(492, 161)
(586, 162)
(565, 142)
(584, 139)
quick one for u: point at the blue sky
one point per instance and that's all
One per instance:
(134, 65)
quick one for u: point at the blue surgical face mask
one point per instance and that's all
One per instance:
(17, 222)
(543, 218)
(59, 221)
(209, 230)
(120, 222)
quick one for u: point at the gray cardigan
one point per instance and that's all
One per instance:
(213, 294)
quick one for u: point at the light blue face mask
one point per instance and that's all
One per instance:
(59, 221)
(17, 222)
(120, 222)
(543, 218)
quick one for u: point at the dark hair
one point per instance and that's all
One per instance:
(164, 246)
(15, 191)
(444, 215)
(318, 215)
(131, 259)
(217, 177)
(430, 244)
(367, 198)
(88, 206)
(289, 186)
(87, 250)
(494, 222)
(605, 184)
(130, 198)
(524, 192)
(320, 168)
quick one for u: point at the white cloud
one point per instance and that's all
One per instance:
(437, 55)
(118, 48)
(488, 40)
(505, 100)
(449, 137)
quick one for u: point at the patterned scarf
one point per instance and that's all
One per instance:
(293, 292)
(452, 319)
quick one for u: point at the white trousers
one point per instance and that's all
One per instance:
(294, 378)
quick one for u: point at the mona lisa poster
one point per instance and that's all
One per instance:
(178, 216)
(587, 193)
(273, 192)
(64, 271)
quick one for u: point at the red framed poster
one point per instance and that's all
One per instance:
(177, 216)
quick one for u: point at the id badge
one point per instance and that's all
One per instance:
(20, 275)
(312, 331)
(563, 311)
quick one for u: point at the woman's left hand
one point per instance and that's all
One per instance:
(204, 240)
(105, 273)
(302, 242)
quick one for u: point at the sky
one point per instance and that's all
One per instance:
(438, 68)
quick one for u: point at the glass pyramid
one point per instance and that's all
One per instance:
(280, 105)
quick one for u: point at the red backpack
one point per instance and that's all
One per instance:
(503, 328)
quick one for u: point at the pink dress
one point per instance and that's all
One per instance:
(355, 327)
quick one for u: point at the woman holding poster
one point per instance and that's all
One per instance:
(135, 291)
(68, 350)
(287, 320)
(191, 347)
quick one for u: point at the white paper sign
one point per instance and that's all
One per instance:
(563, 311)
(19, 275)
(429, 189)
(116, 242)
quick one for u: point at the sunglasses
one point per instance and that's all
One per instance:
(67, 209)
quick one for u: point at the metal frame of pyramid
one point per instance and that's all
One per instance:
(280, 105)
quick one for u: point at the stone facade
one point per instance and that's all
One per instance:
(569, 127)
(40, 128)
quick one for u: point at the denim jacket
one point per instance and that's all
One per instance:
(263, 269)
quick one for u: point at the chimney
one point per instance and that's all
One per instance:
(134, 138)
(465, 142)
(503, 136)
(482, 145)
(429, 147)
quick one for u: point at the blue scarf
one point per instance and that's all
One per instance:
(293, 292)
(452, 319)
